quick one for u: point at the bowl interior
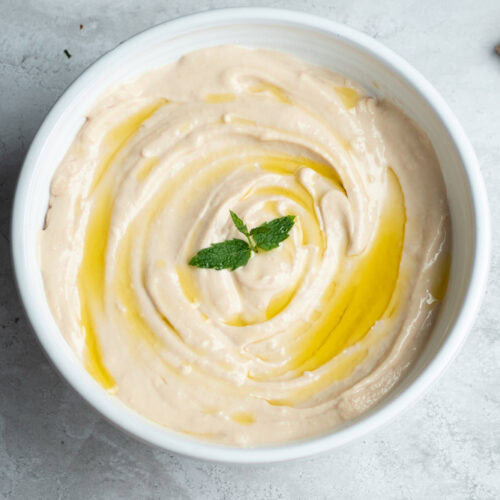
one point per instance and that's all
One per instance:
(319, 42)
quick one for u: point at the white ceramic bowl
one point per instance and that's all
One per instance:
(319, 41)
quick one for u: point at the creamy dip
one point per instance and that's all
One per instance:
(303, 337)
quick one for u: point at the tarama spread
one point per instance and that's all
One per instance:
(303, 337)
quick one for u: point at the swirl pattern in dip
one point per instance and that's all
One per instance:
(303, 337)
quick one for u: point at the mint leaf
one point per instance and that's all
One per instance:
(270, 234)
(229, 254)
(240, 226)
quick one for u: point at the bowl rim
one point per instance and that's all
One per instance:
(151, 433)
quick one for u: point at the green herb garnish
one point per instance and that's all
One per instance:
(66, 52)
(235, 253)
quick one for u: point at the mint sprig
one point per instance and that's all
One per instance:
(235, 253)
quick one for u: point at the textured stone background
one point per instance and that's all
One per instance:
(52, 445)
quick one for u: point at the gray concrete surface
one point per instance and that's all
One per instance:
(52, 445)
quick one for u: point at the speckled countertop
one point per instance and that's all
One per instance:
(52, 445)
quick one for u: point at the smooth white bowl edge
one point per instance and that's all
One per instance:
(27, 216)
